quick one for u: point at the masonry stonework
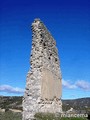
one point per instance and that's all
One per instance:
(43, 85)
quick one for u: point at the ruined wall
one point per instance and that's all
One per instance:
(43, 85)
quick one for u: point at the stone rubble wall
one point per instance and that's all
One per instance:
(43, 84)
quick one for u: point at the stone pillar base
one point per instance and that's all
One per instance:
(50, 106)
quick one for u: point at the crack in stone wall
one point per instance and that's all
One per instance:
(43, 84)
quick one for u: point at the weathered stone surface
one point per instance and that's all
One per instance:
(43, 85)
(50, 85)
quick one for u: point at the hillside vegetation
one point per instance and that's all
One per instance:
(7, 102)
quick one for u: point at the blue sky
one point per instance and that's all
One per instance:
(69, 23)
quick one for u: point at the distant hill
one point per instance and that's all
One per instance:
(8, 102)
(77, 104)
(14, 102)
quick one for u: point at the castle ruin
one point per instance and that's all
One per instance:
(43, 85)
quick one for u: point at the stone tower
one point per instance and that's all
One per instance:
(43, 86)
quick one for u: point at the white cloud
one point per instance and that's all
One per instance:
(67, 84)
(10, 89)
(82, 84)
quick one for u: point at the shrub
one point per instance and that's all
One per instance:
(10, 116)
